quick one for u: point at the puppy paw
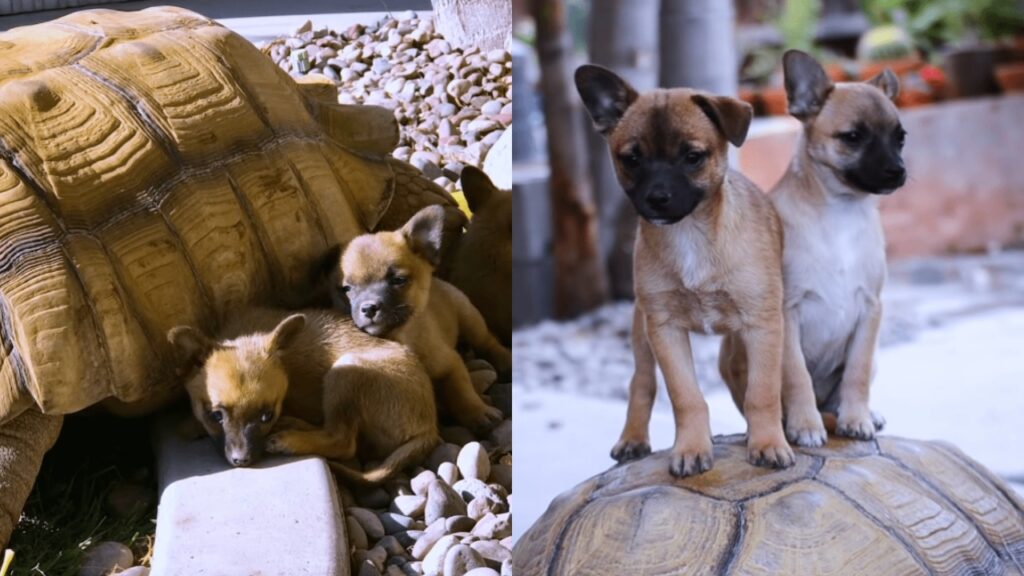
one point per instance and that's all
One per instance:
(879, 421)
(279, 443)
(626, 450)
(690, 461)
(772, 455)
(857, 424)
(808, 430)
(484, 418)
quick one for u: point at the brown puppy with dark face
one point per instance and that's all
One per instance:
(483, 263)
(309, 383)
(850, 153)
(388, 283)
(708, 259)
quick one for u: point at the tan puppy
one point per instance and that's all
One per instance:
(834, 261)
(387, 280)
(483, 263)
(708, 259)
(331, 390)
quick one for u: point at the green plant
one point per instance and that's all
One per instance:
(885, 42)
(63, 517)
(796, 23)
(936, 23)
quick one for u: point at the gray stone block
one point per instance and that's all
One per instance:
(278, 518)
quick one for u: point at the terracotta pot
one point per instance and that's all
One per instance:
(753, 98)
(836, 72)
(774, 100)
(913, 98)
(1010, 77)
(899, 67)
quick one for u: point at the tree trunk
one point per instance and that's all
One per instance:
(698, 45)
(580, 283)
(486, 24)
(624, 38)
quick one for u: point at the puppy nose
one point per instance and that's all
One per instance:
(369, 310)
(240, 460)
(658, 197)
(895, 172)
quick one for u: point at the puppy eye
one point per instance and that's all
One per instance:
(694, 157)
(345, 289)
(851, 136)
(631, 157)
(397, 280)
(266, 416)
(901, 137)
(217, 416)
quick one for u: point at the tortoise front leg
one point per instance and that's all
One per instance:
(23, 442)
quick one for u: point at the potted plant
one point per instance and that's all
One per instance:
(964, 33)
(886, 46)
(1010, 76)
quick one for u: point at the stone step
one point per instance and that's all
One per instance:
(281, 517)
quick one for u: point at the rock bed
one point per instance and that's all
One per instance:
(452, 104)
(452, 516)
(592, 354)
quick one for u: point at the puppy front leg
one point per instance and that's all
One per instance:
(461, 398)
(691, 452)
(319, 442)
(292, 423)
(854, 418)
(473, 331)
(635, 441)
(762, 404)
(804, 426)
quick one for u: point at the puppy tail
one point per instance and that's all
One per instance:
(829, 419)
(406, 455)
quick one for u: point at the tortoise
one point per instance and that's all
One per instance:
(890, 506)
(156, 169)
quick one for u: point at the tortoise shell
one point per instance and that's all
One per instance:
(156, 169)
(891, 506)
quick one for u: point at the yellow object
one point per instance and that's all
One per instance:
(8, 558)
(460, 198)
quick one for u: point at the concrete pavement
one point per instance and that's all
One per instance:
(279, 518)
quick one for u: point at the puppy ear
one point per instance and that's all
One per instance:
(731, 116)
(191, 345)
(477, 187)
(807, 85)
(284, 334)
(606, 96)
(424, 231)
(887, 82)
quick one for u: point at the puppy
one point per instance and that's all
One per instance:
(386, 281)
(309, 383)
(483, 263)
(708, 259)
(849, 154)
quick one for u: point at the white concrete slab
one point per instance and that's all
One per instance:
(279, 518)
(962, 382)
